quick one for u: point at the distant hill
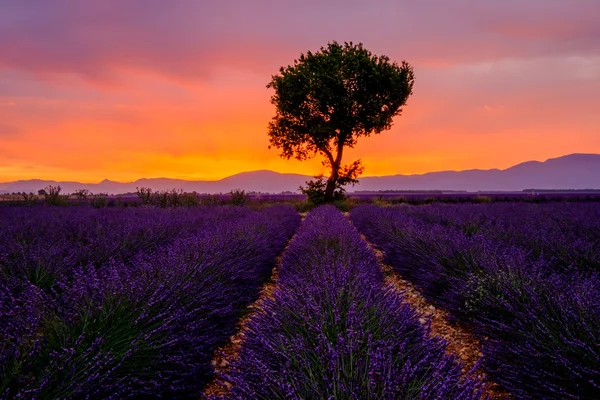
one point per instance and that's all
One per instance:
(574, 171)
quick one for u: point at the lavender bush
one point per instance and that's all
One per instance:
(144, 326)
(565, 235)
(334, 331)
(540, 327)
(40, 244)
(543, 332)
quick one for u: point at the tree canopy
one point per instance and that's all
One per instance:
(328, 99)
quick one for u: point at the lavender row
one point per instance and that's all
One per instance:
(40, 244)
(332, 330)
(565, 235)
(146, 328)
(539, 328)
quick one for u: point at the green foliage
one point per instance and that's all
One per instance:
(119, 202)
(315, 190)
(239, 197)
(190, 199)
(145, 195)
(346, 204)
(303, 206)
(167, 198)
(161, 198)
(100, 200)
(174, 197)
(211, 200)
(53, 197)
(348, 174)
(335, 95)
(482, 199)
(29, 199)
(82, 194)
(108, 335)
(326, 100)
(399, 200)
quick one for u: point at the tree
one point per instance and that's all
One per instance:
(326, 100)
(82, 194)
(53, 197)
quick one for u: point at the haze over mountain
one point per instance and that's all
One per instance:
(574, 171)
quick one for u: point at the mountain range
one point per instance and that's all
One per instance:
(573, 171)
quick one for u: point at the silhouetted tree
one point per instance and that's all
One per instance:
(53, 197)
(145, 195)
(326, 100)
(82, 194)
(29, 198)
(239, 197)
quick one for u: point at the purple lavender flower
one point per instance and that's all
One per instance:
(523, 276)
(334, 331)
(144, 322)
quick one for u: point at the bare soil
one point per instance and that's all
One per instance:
(225, 355)
(460, 340)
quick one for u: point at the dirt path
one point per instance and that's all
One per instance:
(224, 355)
(461, 341)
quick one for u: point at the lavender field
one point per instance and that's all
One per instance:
(139, 302)
(127, 303)
(525, 278)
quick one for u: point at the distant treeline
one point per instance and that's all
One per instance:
(53, 196)
(562, 190)
(401, 191)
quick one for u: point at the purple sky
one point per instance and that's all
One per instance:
(125, 89)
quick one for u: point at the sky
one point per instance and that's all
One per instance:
(128, 89)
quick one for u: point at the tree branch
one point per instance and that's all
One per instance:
(340, 149)
(327, 153)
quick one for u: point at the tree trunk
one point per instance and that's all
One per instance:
(330, 188)
(335, 172)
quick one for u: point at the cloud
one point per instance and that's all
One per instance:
(9, 130)
(127, 89)
(192, 39)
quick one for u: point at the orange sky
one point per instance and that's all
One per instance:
(87, 93)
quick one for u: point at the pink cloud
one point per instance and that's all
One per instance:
(193, 39)
(109, 86)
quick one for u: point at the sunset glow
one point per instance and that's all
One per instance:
(125, 90)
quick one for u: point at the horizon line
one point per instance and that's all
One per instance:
(292, 173)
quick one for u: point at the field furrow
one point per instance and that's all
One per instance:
(461, 341)
(143, 327)
(333, 330)
(538, 323)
